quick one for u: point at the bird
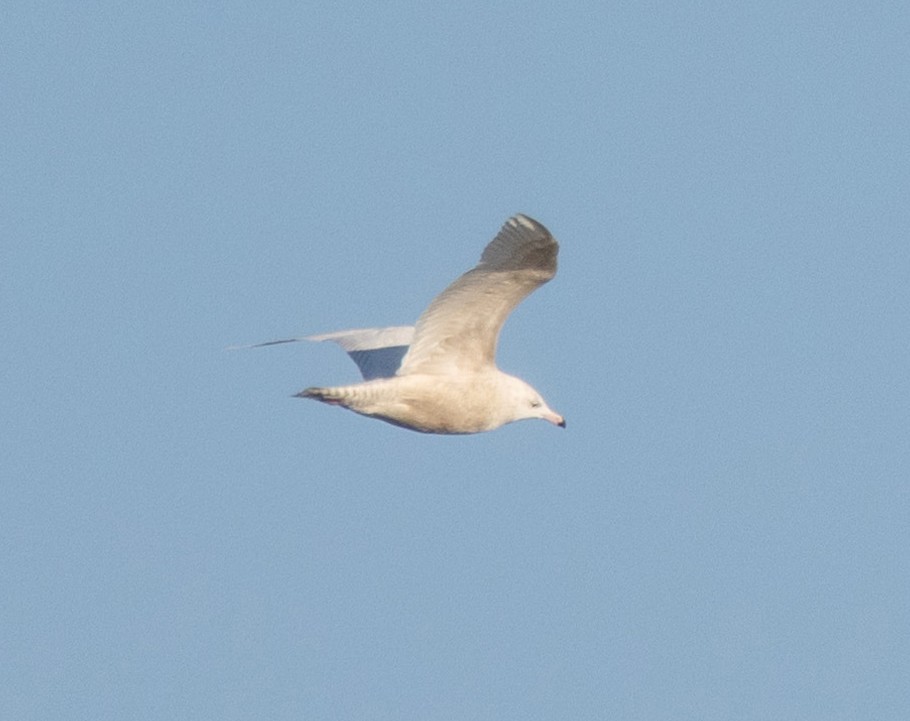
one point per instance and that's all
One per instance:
(440, 375)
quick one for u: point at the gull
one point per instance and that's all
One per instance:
(440, 376)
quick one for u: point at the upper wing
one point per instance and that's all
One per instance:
(459, 329)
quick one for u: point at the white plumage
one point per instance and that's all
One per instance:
(440, 376)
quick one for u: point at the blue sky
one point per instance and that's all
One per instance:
(721, 532)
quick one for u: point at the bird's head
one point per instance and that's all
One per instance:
(525, 402)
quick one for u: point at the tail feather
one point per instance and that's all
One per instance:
(358, 397)
(332, 396)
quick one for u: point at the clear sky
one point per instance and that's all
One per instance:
(722, 531)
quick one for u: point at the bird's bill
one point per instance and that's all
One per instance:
(555, 419)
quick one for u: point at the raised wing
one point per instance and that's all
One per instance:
(458, 331)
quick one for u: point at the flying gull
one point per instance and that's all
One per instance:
(440, 376)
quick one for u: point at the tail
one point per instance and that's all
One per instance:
(332, 396)
(358, 397)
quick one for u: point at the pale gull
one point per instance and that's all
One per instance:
(440, 376)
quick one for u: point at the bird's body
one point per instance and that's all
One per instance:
(451, 404)
(440, 376)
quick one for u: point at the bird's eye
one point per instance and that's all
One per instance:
(535, 404)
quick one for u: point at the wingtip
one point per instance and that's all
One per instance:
(263, 345)
(525, 220)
